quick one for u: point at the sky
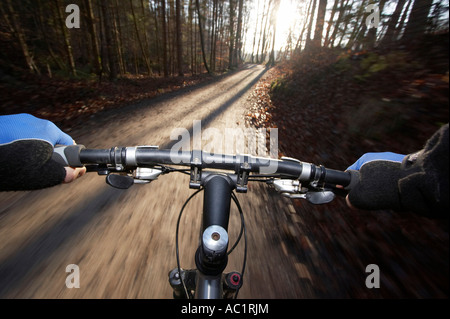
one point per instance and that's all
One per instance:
(288, 17)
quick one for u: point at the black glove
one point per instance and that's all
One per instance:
(419, 184)
(28, 165)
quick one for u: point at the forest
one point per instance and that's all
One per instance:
(118, 38)
(65, 59)
(111, 39)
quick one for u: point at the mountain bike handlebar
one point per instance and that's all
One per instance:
(121, 158)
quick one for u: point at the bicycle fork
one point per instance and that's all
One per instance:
(230, 282)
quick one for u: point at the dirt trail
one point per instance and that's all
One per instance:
(124, 240)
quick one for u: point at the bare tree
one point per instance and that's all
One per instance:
(179, 38)
(262, 56)
(231, 31)
(330, 22)
(140, 41)
(205, 63)
(320, 22)
(19, 34)
(311, 19)
(238, 39)
(417, 22)
(393, 21)
(110, 43)
(66, 37)
(273, 22)
(93, 37)
(164, 37)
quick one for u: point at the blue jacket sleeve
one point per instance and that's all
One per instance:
(25, 126)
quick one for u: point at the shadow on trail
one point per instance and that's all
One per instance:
(206, 120)
(149, 102)
(14, 270)
(222, 108)
(17, 267)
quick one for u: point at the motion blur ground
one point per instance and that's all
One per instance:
(340, 89)
(124, 241)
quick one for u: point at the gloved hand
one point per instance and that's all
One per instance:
(417, 182)
(376, 186)
(26, 126)
(26, 149)
(369, 157)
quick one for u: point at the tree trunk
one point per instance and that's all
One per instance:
(141, 45)
(320, 22)
(231, 48)
(254, 35)
(191, 36)
(260, 32)
(371, 40)
(201, 36)
(393, 21)
(66, 36)
(298, 45)
(110, 45)
(263, 46)
(93, 37)
(359, 30)
(238, 45)
(118, 38)
(308, 33)
(274, 24)
(402, 23)
(44, 34)
(164, 34)
(212, 57)
(20, 35)
(330, 23)
(156, 36)
(221, 35)
(340, 18)
(172, 36)
(417, 22)
(179, 38)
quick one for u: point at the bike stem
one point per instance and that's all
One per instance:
(217, 200)
(211, 256)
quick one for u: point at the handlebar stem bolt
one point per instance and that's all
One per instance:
(215, 241)
(215, 236)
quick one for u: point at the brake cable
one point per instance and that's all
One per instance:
(188, 294)
(242, 231)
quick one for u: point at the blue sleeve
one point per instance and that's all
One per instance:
(25, 126)
(383, 156)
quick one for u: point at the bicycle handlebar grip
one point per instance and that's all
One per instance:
(68, 155)
(354, 179)
(337, 177)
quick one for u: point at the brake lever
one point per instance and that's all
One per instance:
(314, 197)
(141, 175)
(292, 189)
(320, 197)
(119, 181)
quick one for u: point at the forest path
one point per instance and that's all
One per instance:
(123, 241)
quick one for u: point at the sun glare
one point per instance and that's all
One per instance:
(287, 21)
